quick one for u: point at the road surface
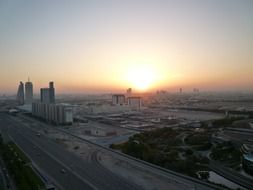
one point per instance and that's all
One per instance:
(52, 159)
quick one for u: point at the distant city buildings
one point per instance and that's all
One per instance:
(28, 92)
(46, 109)
(134, 101)
(25, 95)
(161, 92)
(47, 95)
(118, 99)
(21, 94)
(195, 90)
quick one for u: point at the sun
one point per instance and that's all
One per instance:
(141, 77)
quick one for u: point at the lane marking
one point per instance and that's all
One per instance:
(60, 162)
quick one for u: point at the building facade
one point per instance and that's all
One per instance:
(47, 95)
(51, 92)
(28, 92)
(21, 94)
(59, 114)
(135, 102)
(118, 99)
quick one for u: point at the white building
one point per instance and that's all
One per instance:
(135, 102)
(55, 113)
(118, 99)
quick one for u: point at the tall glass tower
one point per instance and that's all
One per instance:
(28, 92)
(21, 94)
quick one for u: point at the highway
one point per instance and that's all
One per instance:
(80, 174)
(231, 175)
(52, 158)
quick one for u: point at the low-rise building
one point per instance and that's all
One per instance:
(118, 99)
(100, 132)
(134, 101)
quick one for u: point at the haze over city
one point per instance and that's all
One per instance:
(105, 46)
(126, 95)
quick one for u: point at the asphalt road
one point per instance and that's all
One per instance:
(232, 175)
(80, 174)
(52, 158)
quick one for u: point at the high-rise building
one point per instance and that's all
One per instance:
(51, 92)
(44, 95)
(47, 95)
(28, 92)
(21, 94)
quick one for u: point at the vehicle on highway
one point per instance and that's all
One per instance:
(50, 187)
(63, 171)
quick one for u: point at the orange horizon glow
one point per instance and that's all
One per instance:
(111, 46)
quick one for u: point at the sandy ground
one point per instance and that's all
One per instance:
(139, 175)
(130, 171)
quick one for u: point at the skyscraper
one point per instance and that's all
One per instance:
(51, 92)
(44, 95)
(28, 92)
(21, 94)
(47, 94)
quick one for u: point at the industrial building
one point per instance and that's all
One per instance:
(59, 114)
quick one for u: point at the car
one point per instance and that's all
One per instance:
(63, 171)
(38, 134)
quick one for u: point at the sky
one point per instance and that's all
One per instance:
(110, 45)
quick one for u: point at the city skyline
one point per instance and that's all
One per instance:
(97, 46)
(126, 94)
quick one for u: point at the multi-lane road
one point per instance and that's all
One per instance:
(53, 160)
(68, 171)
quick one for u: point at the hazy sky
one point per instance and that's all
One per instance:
(96, 45)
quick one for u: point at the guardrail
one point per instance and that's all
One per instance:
(196, 181)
